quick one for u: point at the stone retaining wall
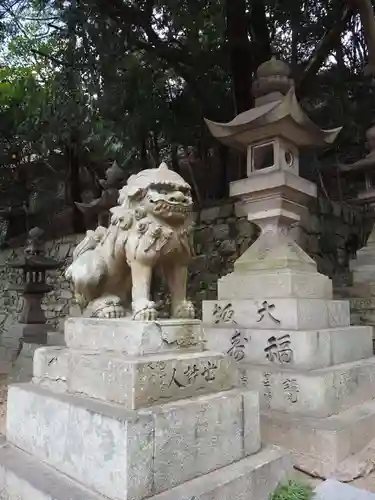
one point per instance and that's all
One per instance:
(220, 239)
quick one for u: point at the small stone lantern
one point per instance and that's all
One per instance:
(362, 267)
(34, 265)
(114, 180)
(274, 195)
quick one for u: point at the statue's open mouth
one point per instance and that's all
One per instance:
(173, 207)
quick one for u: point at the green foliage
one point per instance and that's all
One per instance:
(292, 490)
(122, 79)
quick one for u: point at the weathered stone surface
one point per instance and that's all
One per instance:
(188, 435)
(103, 446)
(365, 275)
(306, 349)
(280, 284)
(320, 445)
(319, 393)
(252, 478)
(275, 313)
(362, 303)
(24, 478)
(128, 455)
(131, 381)
(365, 257)
(133, 338)
(334, 490)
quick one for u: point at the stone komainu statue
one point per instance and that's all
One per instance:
(151, 227)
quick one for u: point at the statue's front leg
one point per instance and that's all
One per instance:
(176, 276)
(143, 307)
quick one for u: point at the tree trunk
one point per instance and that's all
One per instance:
(366, 12)
(239, 54)
(223, 184)
(74, 185)
(260, 38)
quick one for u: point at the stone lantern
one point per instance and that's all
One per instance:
(273, 196)
(34, 264)
(362, 291)
(114, 179)
(275, 314)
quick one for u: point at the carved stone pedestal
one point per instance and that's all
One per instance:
(132, 410)
(294, 344)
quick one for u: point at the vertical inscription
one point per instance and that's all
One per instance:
(291, 389)
(225, 314)
(267, 390)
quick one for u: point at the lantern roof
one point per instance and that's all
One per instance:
(277, 113)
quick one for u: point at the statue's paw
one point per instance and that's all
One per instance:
(185, 310)
(106, 307)
(144, 311)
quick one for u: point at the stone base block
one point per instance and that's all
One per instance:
(134, 382)
(22, 477)
(253, 478)
(129, 455)
(318, 393)
(319, 445)
(303, 349)
(281, 284)
(134, 338)
(21, 369)
(276, 314)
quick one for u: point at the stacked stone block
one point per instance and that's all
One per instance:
(131, 410)
(294, 344)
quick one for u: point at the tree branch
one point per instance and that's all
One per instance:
(326, 44)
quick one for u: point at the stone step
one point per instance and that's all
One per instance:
(334, 490)
(25, 478)
(253, 478)
(365, 260)
(320, 445)
(306, 349)
(275, 313)
(133, 381)
(366, 274)
(317, 393)
(126, 454)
